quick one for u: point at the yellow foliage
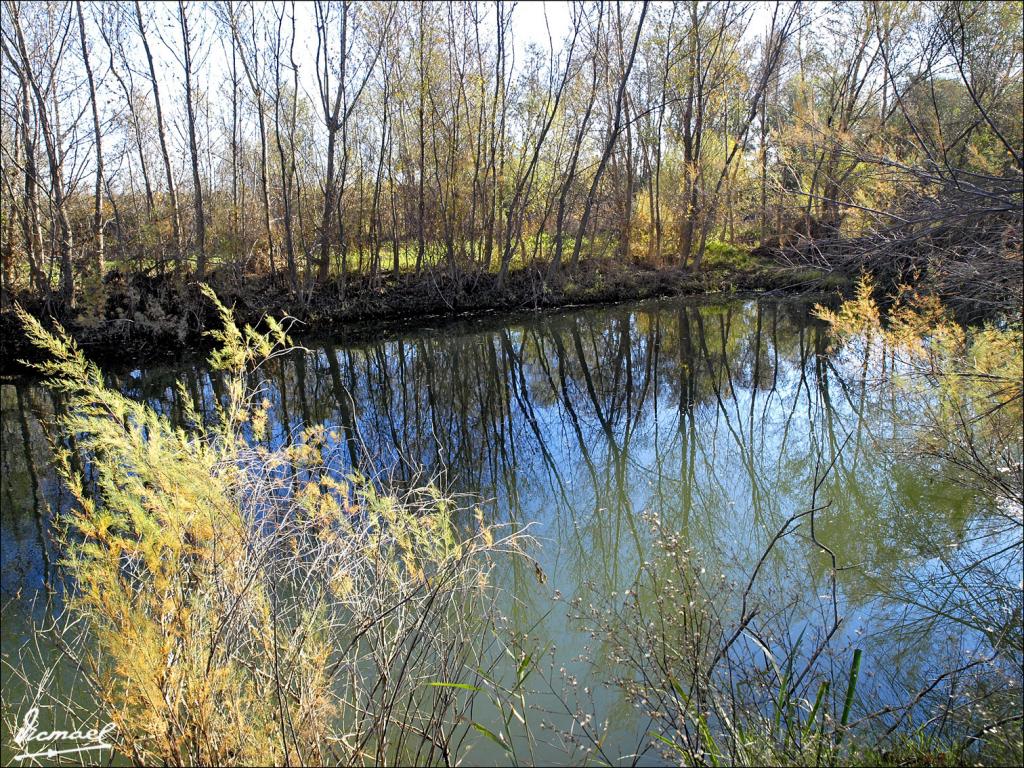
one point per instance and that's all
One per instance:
(201, 645)
(967, 385)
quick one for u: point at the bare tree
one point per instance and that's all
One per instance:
(22, 63)
(187, 49)
(161, 132)
(337, 109)
(525, 181)
(251, 66)
(611, 138)
(97, 215)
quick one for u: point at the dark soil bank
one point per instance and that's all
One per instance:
(150, 318)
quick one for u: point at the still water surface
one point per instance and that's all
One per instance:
(712, 419)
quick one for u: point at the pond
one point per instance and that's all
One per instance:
(600, 428)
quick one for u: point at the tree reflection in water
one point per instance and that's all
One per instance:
(709, 418)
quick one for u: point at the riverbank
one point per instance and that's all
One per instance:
(147, 319)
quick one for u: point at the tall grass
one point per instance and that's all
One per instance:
(237, 604)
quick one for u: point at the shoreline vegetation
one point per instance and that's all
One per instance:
(146, 320)
(350, 164)
(208, 637)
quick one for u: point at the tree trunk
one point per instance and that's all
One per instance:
(610, 143)
(65, 241)
(197, 192)
(97, 211)
(171, 190)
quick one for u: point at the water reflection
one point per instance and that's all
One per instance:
(713, 419)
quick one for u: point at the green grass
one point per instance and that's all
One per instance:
(723, 256)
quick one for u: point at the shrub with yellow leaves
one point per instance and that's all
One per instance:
(240, 604)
